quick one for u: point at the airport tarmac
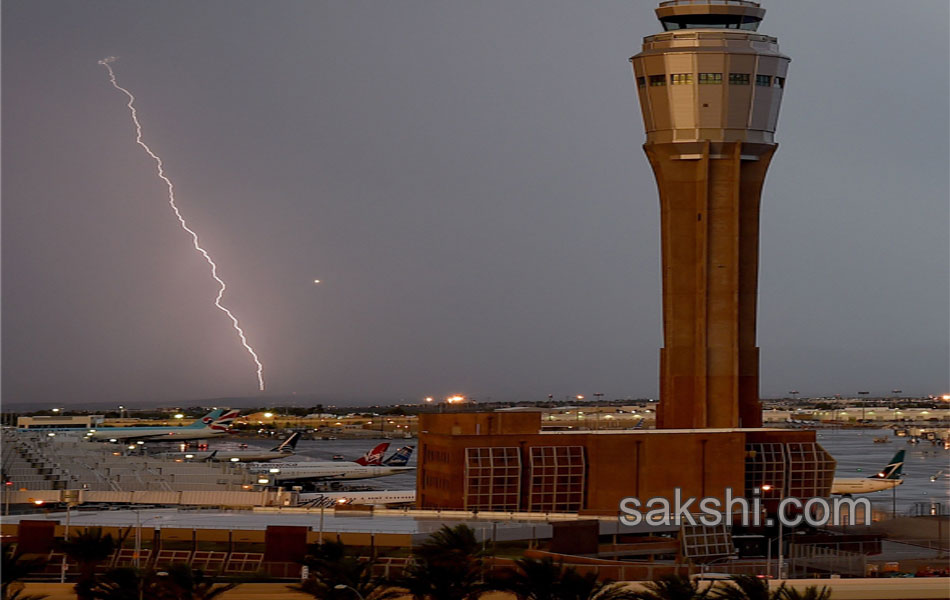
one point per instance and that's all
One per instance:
(854, 449)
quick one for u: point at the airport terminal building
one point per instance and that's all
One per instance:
(504, 462)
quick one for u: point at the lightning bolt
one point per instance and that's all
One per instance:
(107, 63)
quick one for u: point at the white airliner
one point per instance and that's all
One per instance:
(374, 498)
(213, 424)
(369, 466)
(285, 449)
(889, 477)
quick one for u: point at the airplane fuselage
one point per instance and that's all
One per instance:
(862, 485)
(323, 470)
(161, 434)
(218, 456)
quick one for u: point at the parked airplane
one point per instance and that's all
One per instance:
(368, 466)
(374, 498)
(888, 478)
(285, 449)
(213, 424)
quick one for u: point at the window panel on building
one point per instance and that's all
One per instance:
(739, 78)
(763, 80)
(702, 543)
(492, 478)
(811, 469)
(557, 475)
(710, 78)
(641, 81)
(765, 465)
(780, 82)
(681, 78)
(657, 80)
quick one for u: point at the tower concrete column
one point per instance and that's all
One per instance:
(710, 89)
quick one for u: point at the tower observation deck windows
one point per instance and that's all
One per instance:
(780, 82)
(681, 78)
(738, 79)
(641, 81)
(710, 78)
(656, 80)
(763, 80)
(710, 21)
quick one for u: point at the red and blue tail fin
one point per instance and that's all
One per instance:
(400, 457)
(223, 422)
(206, 420)
(374, 456)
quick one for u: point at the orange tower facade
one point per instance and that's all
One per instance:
(710, 89)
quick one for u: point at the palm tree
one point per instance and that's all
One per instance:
(330, 566)
(14, 568)
(673, 587)
(447, 566)
(124, 583)
(181, 582)
(812, 592)
(748, 587)
(88, 549)
(544, 580)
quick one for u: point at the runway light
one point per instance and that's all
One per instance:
(179, 416)
(262, 480)
(273, 470)
(140, 442)
(38, 502)
(235, 459)
(268, 415)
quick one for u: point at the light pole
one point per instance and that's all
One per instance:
(341, 586)
(138, 534)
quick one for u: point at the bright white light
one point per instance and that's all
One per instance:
(316, 281)
(235, 459)
(107, 63)
(262, 480)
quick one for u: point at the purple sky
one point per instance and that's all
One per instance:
(466, 179)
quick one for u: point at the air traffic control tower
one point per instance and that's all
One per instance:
(710, 89)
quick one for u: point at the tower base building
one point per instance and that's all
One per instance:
(505, 462)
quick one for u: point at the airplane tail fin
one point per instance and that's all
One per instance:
(400, 457)
(206, 420)
(639, 424)
(223, 422)
(893, 468)
(289, 445)
(210, 457)
(374, 456)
